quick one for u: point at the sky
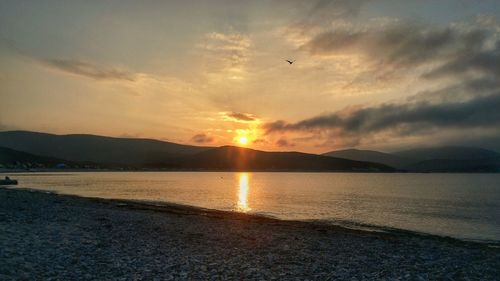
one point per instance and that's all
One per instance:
(368, 74)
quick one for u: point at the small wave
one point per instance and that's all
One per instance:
(353, 225)
(264, 214)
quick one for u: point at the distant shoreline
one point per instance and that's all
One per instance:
(64, 236)
(17, 171)
(195, 170)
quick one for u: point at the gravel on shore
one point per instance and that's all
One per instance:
(58, 237)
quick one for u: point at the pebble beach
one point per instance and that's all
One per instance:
(46, 236)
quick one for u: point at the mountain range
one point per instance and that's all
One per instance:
(96, 149)
(33, 149)
(434, 159)
(108, 152)
(372, 156)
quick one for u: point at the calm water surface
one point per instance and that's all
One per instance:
(458, 205)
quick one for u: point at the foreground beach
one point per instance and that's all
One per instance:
(55, 237)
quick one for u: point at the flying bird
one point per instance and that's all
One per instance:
(290, 61)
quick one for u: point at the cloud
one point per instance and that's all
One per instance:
(464, 90)
(202, 138)
(245, 117)
(324, 11)
(230, 42)
(89, 70)
(282, 142)
(318, 15)
(260, 141)
(398, 120)
(74, 66)
(477, 60)
(397, 44)
(338, 8)
(227, 52)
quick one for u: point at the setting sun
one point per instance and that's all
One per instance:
(247, 136)
(243, 140)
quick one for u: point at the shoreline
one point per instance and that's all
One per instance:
(53, 236)
(166, 206)
(184, 209)
(359, 228)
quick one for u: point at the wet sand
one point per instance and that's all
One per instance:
(59, 237)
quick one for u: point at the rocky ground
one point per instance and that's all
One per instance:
(54, 237)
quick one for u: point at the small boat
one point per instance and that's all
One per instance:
(8, 181)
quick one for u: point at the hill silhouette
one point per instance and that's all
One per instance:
(80, 150)
(437, 159)
(462, 166)
(10, 158)
(153, 154)
(448, 152)
(238, 158)
(372, 156)
(96, 149)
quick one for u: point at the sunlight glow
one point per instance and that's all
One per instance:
(249, 135)
(243, 140)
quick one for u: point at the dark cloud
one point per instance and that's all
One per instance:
(202, 138)
(463, 90)
(485, 141)
(241, 116)
(89, 70)
(482, 61)
(402, 119)
(399, 44)
(284, 143)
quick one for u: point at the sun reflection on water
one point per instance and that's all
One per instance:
(242, 205)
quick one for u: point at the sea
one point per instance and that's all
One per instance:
(463, 206)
